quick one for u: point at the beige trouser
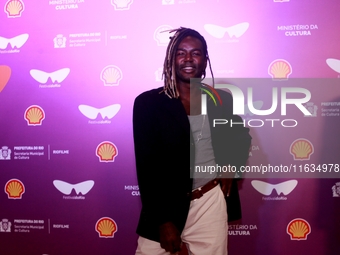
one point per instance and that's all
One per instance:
(205, 231)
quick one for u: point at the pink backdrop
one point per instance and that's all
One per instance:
(69, 73)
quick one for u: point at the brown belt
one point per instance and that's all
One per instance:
(197, 193)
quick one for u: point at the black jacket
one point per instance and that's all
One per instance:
(164, 150)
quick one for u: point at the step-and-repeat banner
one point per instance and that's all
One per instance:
(70, 71)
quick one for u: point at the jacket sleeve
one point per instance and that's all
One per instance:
(232, 139)
(241, 141)
(149, 155)
(233, 149)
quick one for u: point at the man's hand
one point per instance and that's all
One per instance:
(170, 238)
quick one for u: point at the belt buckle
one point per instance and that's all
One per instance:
(199, 192)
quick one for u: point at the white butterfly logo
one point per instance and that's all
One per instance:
(219, 31)
(92, 112)
(16, 41)
(267, 188)
(42, 77)
(66, 188)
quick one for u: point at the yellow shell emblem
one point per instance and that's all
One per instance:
(298, 229)
(14, 189)
(106, 227)
(301, 149)
(106, 151)
(34, 115)
(111, 75)
(279, 69)
(14, 8)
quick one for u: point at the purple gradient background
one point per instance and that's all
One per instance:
(138, 57)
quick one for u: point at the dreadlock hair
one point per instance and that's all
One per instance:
(169, 72)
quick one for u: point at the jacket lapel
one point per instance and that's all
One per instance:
(175, 107)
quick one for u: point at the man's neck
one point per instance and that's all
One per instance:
(190, 96)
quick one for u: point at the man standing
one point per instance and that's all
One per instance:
(173, 140)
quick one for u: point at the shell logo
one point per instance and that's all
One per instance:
(301, 149)
(14, 8)
(5, 74)
(279, 69)
(161, 35)
(106, 152)
(298, 229)
(106, 227)
(34, 115)
(14, 189)
(111, 75)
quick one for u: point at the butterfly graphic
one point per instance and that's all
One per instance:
(16, 41)
(92, 112)
(219, 31)
(42, 77)
(66, 188)
(267, 188)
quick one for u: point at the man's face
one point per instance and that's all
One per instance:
(190, 59)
